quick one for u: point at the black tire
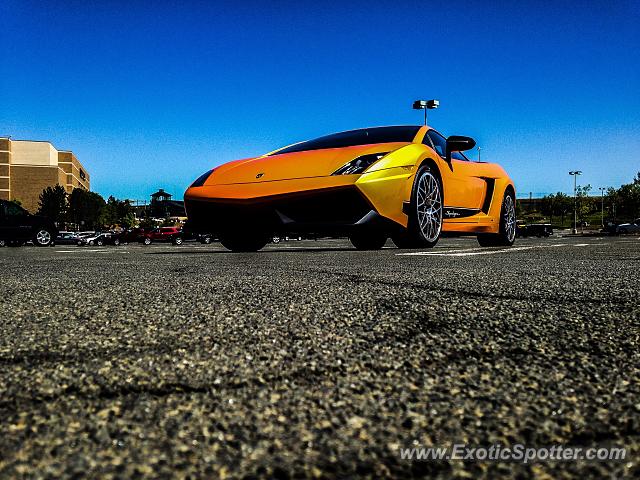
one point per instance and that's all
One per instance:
(368, 241)
(116, 242)
(146, 241)
(506, 236)
(414, 236)
(177, 241)
(243, 243)
(2, 243)
(206, 240)
(43, 237)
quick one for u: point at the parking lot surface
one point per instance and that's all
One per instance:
(313, 359)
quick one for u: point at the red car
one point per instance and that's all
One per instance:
(164, 234)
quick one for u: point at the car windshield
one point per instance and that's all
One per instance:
(363, 136)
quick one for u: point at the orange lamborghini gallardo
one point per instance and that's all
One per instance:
(409, 183)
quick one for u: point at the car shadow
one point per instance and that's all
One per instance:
(262, 252)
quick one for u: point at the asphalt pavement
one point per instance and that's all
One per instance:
(311, 359)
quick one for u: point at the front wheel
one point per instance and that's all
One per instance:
(147, 241)
(243, 243)
(43, 238)
(425, 212)
(116, 242)
(507, 233)
(368, 241)
(2, 243)
(178, 241)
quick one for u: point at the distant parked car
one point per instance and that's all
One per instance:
(205, 238)
(164, 234)
(18, 226)
(101, 238)
(534, 230)
(134, 235)
(66, 238)
(632, 227)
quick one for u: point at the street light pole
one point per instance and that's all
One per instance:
(602, 189)
(426, 105)
(575, 174)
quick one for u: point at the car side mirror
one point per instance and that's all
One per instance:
(458, 143)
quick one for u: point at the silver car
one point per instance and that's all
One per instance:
(633, 227)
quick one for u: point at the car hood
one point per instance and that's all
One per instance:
(287, 166)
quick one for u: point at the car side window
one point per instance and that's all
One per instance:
(437, 142)
(14, 210)
(459, 156)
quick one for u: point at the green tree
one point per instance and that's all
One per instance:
(558, 205)
(53, 203)
(148, 223)
(86, 208)
(126, 214)
(629, 200)
(584, 203)
(118, 212)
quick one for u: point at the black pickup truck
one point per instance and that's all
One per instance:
(18, 226)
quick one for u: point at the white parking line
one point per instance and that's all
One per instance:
(82, 250)
(473, 251)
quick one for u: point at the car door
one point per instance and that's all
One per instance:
(464, 189)
(4, 225)
(18, 223)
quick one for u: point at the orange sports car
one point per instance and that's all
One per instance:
(409, 183)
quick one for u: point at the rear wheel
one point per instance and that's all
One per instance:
(368, 241)
(43, 238)
(116, 242)
(147, 241)
(425, 212)
(178, 241)
(243, 242)
(507, 234)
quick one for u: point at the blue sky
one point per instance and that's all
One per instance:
(151, 94)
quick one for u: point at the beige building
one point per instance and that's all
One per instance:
(28, 167)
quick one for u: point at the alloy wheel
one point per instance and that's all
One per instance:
(429, 206)
(509, 218)
(43, 237)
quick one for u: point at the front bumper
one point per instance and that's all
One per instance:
(330, 211)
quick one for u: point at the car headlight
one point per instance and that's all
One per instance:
(360, 164)
(202, 178)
